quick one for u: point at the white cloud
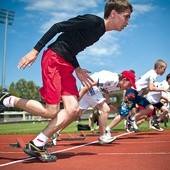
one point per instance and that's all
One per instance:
(107, 49)
(53, 11)
(61, 5)
(54, 18)
(143, 8)
(103, 51)
(59, 10)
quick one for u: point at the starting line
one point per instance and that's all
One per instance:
(63, 150)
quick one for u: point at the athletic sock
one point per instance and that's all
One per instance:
(131, 118)
(40, 140)
(107, 128)
(9, 101)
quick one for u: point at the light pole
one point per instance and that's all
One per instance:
(6, 17)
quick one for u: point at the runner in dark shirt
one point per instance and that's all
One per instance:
(77, 34)
(58, 64)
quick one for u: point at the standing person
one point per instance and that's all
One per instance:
(145, 84)
(58, 63)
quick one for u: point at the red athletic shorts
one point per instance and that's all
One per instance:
(57, 77)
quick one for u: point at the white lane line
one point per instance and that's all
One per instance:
(148, 142)
(10, 152)
(75, 147)
(140, 153)
(63, 150)
(18, 161)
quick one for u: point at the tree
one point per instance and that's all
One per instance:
(12, 90)
(25, 89)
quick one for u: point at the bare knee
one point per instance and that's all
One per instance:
(73, 111)
(105, 111)
(104, 108)
(53, 114)
(164, 110)
(51, 111)
(50, 114)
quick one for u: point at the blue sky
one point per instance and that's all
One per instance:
(145, 40)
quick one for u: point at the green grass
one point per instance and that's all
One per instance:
(35, 128)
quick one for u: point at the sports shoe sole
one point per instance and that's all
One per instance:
(52, 158)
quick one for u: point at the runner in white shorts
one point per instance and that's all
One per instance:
(98, 96)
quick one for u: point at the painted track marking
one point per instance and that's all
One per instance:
(63, 150)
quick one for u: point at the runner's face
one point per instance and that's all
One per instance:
(126, 84)
(161, 70)
(121, 19)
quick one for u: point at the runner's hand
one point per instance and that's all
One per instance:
(83, 76)
(28, 59)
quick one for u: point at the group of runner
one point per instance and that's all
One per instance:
(59, 62)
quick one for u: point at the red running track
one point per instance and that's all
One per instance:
(143, 151)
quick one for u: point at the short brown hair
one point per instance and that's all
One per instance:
(160, 63)
(117, 5)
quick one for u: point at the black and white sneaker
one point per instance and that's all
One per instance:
(131, 125)
(39, 152)
(54, 138)
(155, 126)
(129, 128)
(3, 94)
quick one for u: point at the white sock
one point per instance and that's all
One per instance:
(40, 140)
(107, 128)
(131, 118)
(9, 101)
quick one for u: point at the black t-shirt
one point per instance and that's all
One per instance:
(76, 34)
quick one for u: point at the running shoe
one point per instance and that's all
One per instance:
(106, 140)
(129, 128)
(131, 121)
(54, 141)
(3, 95)
(127, 125)
(54, 138)
(39, 152)
(155, 126)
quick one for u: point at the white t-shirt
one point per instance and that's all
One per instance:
(165, 85)
(144, 80)
(166, 94)
(154, 96)
(107, 80)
